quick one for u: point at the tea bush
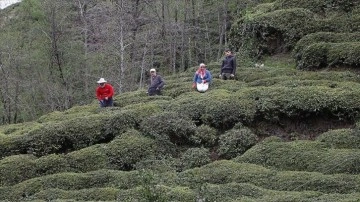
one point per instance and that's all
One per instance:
(320, 55)
(17, 168)
(92, 194)
(326, 37)
(303, 156)
(204, 135)
(222, 172)
(317, 6)
(70, 181)
(194, 157)
(290, 101)
(235, 142)
(341, 139)
(125, 151)
(130, 98)
(169, 126)
(89, 159)
(51, 164)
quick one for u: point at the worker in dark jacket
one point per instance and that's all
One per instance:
(228, 66)
(156, 83)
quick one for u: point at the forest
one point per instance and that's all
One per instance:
(53, 52)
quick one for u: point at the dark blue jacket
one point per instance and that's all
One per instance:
(228, 65)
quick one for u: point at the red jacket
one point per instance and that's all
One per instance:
(106, 91)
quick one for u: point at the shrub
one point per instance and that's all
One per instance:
(71, 181)
(316, 6)
(222, 172)
(142, 110)
(326, 37)
(118, 123)
(319, 55)
(303, 156)
(125, 151)
(88, 159)
(169, 126)
(272, 102)
(223, 112)
(225, 171)
(194, 157)
(15, 169)
(135, 97)
(51, 164)
(341, 139)
(272, 32)
(93, 194)
(229, 191)
(235, 142)
(204, 135)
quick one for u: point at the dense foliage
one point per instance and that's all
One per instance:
(275, 133)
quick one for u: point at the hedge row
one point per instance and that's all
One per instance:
(270, 102)
(341, 139)
(327, 37)
(320, 55)
(278, 29)
(218, 180)
(122, 153)
(71, 181)
(222, 172)
(318, 6)
(67, 135)
(208, 192)
(304, 156)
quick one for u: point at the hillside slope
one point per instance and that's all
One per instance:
(276, 133)
(186, 146)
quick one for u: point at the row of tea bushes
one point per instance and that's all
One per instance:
(122, 153)
(320, 55)
(336, 151)
(220, 180)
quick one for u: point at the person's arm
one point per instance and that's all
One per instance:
(234, 65)
(111, 91)
(98, 95)
(208, 76)
(161, 82)
(195, 77)
(194, 80)
(221, 68)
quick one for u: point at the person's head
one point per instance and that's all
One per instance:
(152, 72)
(101, 82)
(202, 66)
(227, 52)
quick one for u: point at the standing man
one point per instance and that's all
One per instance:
(156, 83)
(104, 93)
(228, 66)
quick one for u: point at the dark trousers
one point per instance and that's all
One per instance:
(153, 91)
(226, 76)
(107, 103)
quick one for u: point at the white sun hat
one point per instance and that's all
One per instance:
(102, 80)
(152, 70)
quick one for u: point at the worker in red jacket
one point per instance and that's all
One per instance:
(104, 93)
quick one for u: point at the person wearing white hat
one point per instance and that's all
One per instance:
(156, 83)
(104, 93)
(202, 78)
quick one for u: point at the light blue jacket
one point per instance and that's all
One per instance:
(207, 77)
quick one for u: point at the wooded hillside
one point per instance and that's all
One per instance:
(286, 130)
